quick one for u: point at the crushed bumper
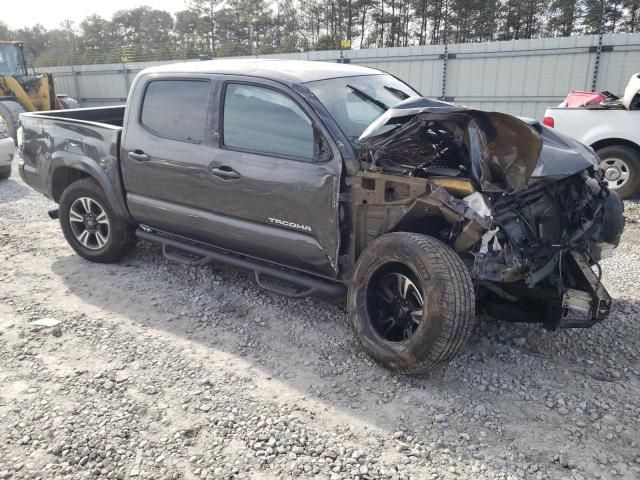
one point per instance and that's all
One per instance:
(589, 297)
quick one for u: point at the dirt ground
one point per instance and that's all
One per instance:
(158, 370)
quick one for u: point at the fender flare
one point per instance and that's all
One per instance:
(107, 176)
(601, 134)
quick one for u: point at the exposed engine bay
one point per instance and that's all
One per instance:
(524, 206)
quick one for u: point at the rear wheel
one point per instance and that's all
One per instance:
(5, 172)
(621, 168)
(10, 111)
(90, 226)
(411, 302)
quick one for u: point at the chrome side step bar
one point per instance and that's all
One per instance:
(308, 284)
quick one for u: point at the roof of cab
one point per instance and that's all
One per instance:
(292, 71)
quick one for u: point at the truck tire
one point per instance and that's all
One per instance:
(90, 226)
(10, 111)
(411, 302)
(621, 167)
(5, 172)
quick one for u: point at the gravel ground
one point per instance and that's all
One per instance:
(158, 370)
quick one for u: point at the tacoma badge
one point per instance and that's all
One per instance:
(290, 224)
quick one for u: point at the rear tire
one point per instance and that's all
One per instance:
(90, 226)
(621, 166)
(10, 111)
(422, 330)
(5, 172)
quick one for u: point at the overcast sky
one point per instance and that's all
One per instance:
(50, 13)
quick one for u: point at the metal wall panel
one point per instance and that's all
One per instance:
(521, 77)
(618, 65)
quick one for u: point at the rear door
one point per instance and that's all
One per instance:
(166, 149)
(270, 192)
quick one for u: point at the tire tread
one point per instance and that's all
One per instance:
(123, 233)
(458, 303)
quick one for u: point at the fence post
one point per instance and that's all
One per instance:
(76, 83)
(596, 63)
(445, 65)
(445, 56)
(125, 72)
(74, 77)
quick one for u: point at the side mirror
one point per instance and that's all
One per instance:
(322, 148)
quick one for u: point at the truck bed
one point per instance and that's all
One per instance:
(113, 116)
(88, 138)
(591, 125)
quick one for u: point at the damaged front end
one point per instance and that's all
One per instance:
(524, 206)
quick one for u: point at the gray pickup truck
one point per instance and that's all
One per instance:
(331, 179)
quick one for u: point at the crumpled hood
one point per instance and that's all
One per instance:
(500, 152)
(562, 156)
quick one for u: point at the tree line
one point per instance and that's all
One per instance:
(221, 28)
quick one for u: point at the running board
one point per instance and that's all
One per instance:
(288, 289)
(265, 274)
(178, 257)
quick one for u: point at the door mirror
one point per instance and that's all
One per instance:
(322, 148)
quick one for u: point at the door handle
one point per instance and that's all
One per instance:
(138, 156)
(225, 172)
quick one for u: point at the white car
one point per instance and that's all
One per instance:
(613, 132)
(7, 151)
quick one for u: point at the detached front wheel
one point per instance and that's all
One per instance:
(411, 302)
(90, 226)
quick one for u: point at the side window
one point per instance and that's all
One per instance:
(263, 120)
(176, 109)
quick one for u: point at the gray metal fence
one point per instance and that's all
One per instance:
(520, 77)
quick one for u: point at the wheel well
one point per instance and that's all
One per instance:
(431, 225)
(62, 178)
(610, 142)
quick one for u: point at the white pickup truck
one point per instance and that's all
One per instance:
(7, 151)
(612, 130)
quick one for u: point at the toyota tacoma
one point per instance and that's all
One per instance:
(330, 179)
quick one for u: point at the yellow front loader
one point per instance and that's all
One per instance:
(21, 91)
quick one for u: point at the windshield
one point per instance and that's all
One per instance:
(355, 102)
(11, 60)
